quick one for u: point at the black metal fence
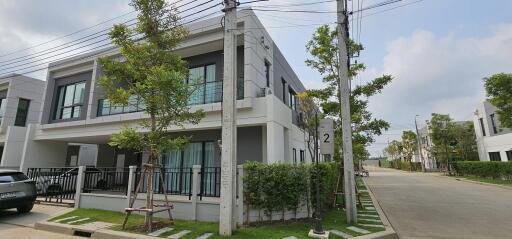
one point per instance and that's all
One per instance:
(106, 180)
(55, 184)
(210, 182)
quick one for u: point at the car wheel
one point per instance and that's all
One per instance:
(25, 208)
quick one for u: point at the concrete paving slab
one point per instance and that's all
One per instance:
(341, 234)
(358, 230)
(65, 219)
(160, 231)
(368, 215)
(207, 235)
(368, 219)
(370, 225)
(78, 220)
(290, 237)
(179, 234)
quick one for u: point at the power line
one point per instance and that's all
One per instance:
(103, 46)
(63, 47)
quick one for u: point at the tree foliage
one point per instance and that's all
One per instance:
(323, 48)
(499, 91)
(151, 72)
(409, 145)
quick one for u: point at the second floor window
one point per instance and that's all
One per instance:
(205, 85)
(292, 100)
(70, 101)
(493, 122)
(22, 113)
(481, 120)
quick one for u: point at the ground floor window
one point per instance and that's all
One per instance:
(302, 156)
(178, 165)
(509, 155)
(494, 156)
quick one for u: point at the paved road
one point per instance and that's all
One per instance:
(431, 206)
(21, 226)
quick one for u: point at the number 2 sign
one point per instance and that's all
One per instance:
(326, 133)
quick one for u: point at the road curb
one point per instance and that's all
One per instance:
(477, 182)
(389, 232)
(78, 230)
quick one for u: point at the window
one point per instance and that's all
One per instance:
(294, 156)
(482, 126)
(292, 102)
(134, 105)
(493, 122)
(22, 112)
(267, 72)
(509, 155)
(70, 101)
(302, 156)
(494, 156)
(205, 85)
(2, 108)
(283, 82)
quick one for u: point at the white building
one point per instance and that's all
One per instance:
(20, 105)
(494, 142)
(76, 122)
(426, 148)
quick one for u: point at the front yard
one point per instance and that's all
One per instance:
(334, 220)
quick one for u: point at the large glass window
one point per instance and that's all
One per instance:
(22, 112)
(206, 88)
(481, 120)
(134, 105)
(493, 122)
(494, 156)
(70, 101)
(178, 164)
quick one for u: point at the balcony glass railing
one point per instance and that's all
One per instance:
(209, 92)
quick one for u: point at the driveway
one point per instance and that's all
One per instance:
(422, 205)
(21, 226)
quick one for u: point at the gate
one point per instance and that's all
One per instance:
(55, 185)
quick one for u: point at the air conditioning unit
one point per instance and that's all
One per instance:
(264, 92)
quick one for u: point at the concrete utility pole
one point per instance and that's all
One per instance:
(419, 144)
(348, 159)
(228, 158)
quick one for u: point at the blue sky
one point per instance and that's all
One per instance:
(437, 50)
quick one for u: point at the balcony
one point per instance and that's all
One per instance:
(206, 93)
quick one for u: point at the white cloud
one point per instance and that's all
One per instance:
(439, 74)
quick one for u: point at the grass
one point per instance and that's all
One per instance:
(487, 180)
(334, 219)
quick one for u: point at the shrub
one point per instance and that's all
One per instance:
(484, 169)
(282, 187)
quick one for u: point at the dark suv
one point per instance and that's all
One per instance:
(16, 191)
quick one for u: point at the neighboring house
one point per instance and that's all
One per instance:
(76, 118)
(20, 105)
(494, 142)
(426, 148)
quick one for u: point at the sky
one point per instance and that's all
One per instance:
(438, 51)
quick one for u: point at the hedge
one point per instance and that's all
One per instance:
(282, 187)
(484, 169)
(406, 166)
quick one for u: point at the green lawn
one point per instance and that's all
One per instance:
(488, 180)
(334, 219)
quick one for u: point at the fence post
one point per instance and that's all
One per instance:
(79, 185)
(196, 184)
(131, 184)
(240, 192)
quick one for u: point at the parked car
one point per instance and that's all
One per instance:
(16, 191)
(65, 182)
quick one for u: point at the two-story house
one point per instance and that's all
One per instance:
(20, 105)
(493, 141)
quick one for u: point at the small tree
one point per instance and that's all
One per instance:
(409, 145)
(150, 72)
(465, 138)
(499, 91)
(442, 135)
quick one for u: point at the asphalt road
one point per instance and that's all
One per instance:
(431, 206)
(21, 226)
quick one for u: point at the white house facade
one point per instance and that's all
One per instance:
(493, 141)
(20, 105)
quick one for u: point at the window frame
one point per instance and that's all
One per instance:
(302, 156)
(59, 106)
(509, 155)
(493, 123)
(294, 151)
(493, 158)
(267, 72)
(204, 83)
(22, 114)
(283, 83)
(482, 127)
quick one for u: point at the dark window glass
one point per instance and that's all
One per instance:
(267, 72)
(493, 122)
(302, 156)
(292, 101)
(70, 101)
(482, 126)
(509, 155)
(22, 112)
(294, 156)
(494, 156)
(205, 85)
(134, 105)
(283, 82)
(12, 177)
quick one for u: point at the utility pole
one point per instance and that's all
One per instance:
(348, 158)
(419, 144)
(228, 158)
